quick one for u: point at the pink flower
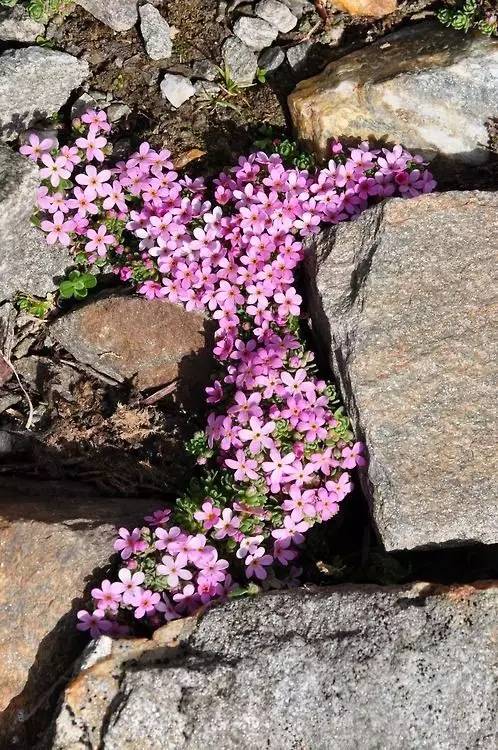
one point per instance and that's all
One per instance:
(96, 118)
(130, 584)
(166, 536)
(227, 525)
(257, 563)
(58, 229)
(158, 517)
(244, 467)
(208, 516)
(108, 596)
(93, 144)
(258, 435)
(174, 568)
(352, 456)
(93, 179)
(94, 622)
(276, 467)
(54, 170)
(99, 240)
(145, 603)
(129, 543)
(213, 569)
(82, 201)
(36, 148)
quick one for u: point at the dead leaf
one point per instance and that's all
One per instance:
(6, 372)
(188, 156)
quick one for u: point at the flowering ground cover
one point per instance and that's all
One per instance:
(277, 452)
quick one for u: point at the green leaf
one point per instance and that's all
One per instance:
(89, 281)
(66, 289)
(80, 293)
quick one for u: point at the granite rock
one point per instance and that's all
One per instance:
(402, 301)
(254, 32)
(120, 15)
(276, 14)
(177, 89)
(156, 33)
(240, 61)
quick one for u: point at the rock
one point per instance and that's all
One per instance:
(156, 33)
(297, 56)
(255, 32)
(372, 8)
(82, 104)
(117, 111)
(35, 82)
(176, 89)
(276, 14)
(271, 59)
(54, 541)
(17, 26)
(130, 338)
(240, 61)
(402, 300)
(27, 263)
(207, 89)
(120, 15)
(299, 7)
(425, 86)
(205, 69)
(367, 667)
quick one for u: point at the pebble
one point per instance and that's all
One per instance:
(299, 7)
(176, 89)
(117, 111)
(205, 69)
(241, 61)
(17, 26)
(271, 59)
(277, 14)
(156, 33)
(255, 33)
(297, 56)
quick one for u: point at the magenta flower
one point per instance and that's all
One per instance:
(99, 240)
(244, 467)
(353, 456)
(145, 603)
(208, 516)
(257, 435)
(129, 543)
(213, 570)
(108, 596)
(159, 517)
(94, 622)
(227, 525)
(93, 144)
(257, 563)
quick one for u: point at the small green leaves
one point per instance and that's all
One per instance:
(39, 308)
(470, 14)
(77, 285)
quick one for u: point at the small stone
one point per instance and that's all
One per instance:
(34, 83)
(297, 56)
(82, 103)
(177, 89)
(156, 33)
(255, 33)
(205, 69)
(107, 334)
(120, 15)
(117, 111)
(299, 7)
(277, 14)
(271, 59)
(370, 8)
(240, 61)
(27, 263)
(17, 26)
(206, 89)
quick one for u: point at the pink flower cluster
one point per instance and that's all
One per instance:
(275, 440)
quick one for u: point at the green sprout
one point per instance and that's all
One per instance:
(77, 285)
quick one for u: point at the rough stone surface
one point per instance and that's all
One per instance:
(297, 56)
(427, 87)
(205, 69)
(342, 668)
(54, 540)
(156, 33)
(120, 15)
(271, 59)
(240, 61)
(176, 89)
(276, 14)
(403, 300)
(27, 263)
(371, 8)
(17, 26)
(255, 32)
(299, 7)
(35, 82)
(152, 343)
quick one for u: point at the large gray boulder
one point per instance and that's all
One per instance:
(342, 668)
(120, 15)
(16, 25)
(27, 263)
(430, 88)
(35, 82)
(402, 299)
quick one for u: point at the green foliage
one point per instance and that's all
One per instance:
(77, 285)
(39, 308)
(466, 15)
(270, 142)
